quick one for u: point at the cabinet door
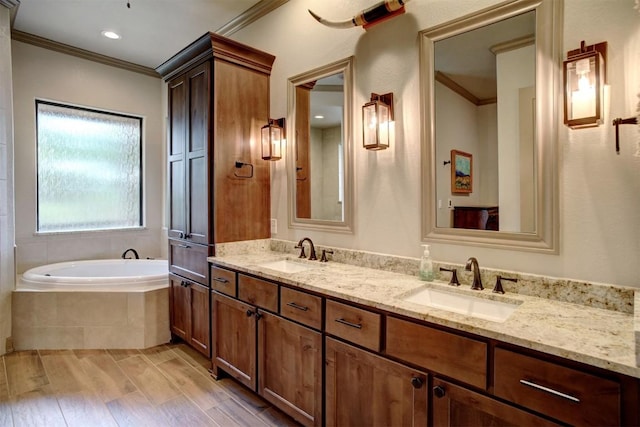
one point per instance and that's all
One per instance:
(457, 406)
(290, 367)
(176, 157)
(179, 303)
(200, 331)
(197, 176)
(365, 389)
(234, 342)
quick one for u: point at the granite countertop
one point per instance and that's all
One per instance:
(595, 336)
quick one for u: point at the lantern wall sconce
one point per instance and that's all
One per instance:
(378, 127)
(273, 137)
(584, 80)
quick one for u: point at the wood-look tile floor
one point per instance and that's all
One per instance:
(168, 385)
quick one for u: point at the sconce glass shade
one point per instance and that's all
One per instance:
(377, 122)
(584, 79)
(272, 135)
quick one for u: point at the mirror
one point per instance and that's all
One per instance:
(319, 154)
(490, 89)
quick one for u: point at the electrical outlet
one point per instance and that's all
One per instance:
(439, 203)
(274, 226)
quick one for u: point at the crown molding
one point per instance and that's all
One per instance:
(80, 53)
(252, 14)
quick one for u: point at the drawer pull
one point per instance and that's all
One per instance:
(353, 325)
(181, 245)
(550, 391)
(221, 280)
(299, 307)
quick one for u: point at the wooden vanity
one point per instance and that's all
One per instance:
(384, 368)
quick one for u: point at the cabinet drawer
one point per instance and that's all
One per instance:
(258, 292)
(566, 394)
(455, 356)
(353, 324)
(189, 260)
(223, 280)
(301, 307)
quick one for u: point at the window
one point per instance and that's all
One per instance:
(89, 169)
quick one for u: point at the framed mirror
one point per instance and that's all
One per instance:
(490, 89)
(319, 147)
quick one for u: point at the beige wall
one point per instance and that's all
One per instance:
(44, 74)
(6, 181)
(599, 191)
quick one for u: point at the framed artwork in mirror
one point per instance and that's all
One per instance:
(461, 172)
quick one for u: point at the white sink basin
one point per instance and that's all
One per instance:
(288, 266)
(488, 309)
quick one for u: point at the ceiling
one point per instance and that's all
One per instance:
(152, 31)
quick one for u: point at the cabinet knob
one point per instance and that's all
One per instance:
(249, 313)
(439, 391)
(258, 316)
(416, 382)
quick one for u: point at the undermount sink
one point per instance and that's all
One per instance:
(483, 308)
(289, 266)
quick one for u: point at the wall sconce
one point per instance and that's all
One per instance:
(584, 79)
(273, 136)
(378, 127)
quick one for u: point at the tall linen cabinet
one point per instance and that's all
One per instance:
(218, 184)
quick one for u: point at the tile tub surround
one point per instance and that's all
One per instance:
(90, 320)
(599, 328)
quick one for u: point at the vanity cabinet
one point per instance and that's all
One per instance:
(564, 393)
(256, 343)
(458, 406)
(381, 368)
(189, 312)
(363, 389)
(218, 99)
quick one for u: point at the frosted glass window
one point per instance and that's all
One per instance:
(89, 169)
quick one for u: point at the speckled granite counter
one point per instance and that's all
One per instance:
(583, 332)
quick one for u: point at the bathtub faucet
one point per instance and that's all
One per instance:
(135, 254)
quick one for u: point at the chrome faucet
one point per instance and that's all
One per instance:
(135, 254)
(312, 254)
(472, 264)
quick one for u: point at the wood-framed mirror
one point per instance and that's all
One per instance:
(319, 157)
(490, 84)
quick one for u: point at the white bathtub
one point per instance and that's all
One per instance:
(132, 275)
(100, 304)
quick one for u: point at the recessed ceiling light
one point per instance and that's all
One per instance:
(318, 117)
(111, 35)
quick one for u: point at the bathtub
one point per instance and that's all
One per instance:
(132, 275)
(97, 304)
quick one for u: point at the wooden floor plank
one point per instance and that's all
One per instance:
(104, 374)
(37, 408)
(275, 418)
(149, 380)
(182, 412)
(134, 410)
(159, 354)
(203, 390)
(163, 386)
(4, 388)
(24, 372)
(6, 418)
(254, 403)
(238, 413)
(123, 354)
(193, 357)
(80, 404)
(83, 409)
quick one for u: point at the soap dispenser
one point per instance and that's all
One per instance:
(426, 265)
